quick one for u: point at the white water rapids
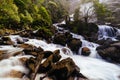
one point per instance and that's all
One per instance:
(92, 66)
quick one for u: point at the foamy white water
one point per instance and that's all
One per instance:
(12, 63)
(94, 69)
(106, 32)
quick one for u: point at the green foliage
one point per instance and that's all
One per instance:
(77, 14)
(101, 10)
(55, 9)
(24, 13)
(45, 16)
(9, 13)
(26, 18)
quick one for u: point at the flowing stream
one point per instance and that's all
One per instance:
(93, 67)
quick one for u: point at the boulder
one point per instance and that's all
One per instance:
(27, 47)
(6, 40)
(62, 38)
(30, 49)
(75, 44)
(105, 41)
(31, 64)
(46, 53)
(48, 63)
(85, 51)
(110, 52)
(63, 69)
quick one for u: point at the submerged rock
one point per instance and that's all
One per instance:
(2, 55)
(85, 51)
(16, 74)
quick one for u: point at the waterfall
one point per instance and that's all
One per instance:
(106, 32)
(92, 68)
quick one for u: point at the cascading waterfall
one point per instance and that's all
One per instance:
(92, 66)
(92, 46)
(94, 69)
(106, 32)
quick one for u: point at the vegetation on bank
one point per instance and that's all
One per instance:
(41, 14)
(30, 14)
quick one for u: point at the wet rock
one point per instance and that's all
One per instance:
(30, 49)
(16, 74)
(110, 52)
(31, 53)
(74, 45)
(26, 33)
(2, 55)
(23, 60)
(48, 63)
(6, 40)
(64, 69)
(85, 51)
(27, 47)
(62, 38)
(66, 51)
(5, 54)
(31, 64)
(105, 41)
(46, 53)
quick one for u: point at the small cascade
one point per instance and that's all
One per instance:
(106, 32)
(92, 68)
(92, 46)
(11, 63)
(16, 38)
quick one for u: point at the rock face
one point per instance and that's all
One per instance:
(110, 52)
(85, 51)
(74, 45)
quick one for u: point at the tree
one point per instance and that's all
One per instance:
(102, 12)
(9, 13)
(77, 14)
